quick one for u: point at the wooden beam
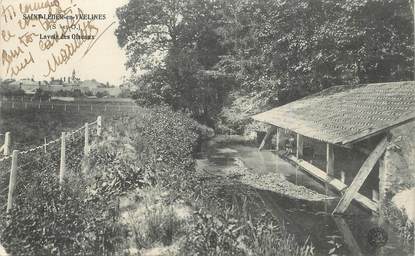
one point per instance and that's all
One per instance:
(361, 176)
(270, 130)
(330, 159)
(333, 182)
(348, 237)
(300, 146)
(383, 167)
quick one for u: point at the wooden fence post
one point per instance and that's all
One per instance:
(63, 159)
(7, 139)
(44, 141)
(99, 125)
(12, 181)
(86, 145)
(65, 107)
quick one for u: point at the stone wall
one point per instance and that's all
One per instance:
(400, 160)
(399, 181)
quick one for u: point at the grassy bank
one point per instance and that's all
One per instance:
(222, 215)
(141, 195)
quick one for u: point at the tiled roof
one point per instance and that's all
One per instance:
(344, 114)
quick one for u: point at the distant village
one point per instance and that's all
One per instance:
(70, 86)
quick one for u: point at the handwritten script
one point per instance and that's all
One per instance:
(46, 35)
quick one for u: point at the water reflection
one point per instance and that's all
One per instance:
(331, 235)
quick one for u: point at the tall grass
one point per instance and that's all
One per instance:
(154, 223)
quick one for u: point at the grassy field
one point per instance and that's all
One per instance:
(30, 122)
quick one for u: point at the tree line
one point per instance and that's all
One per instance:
(195, 53)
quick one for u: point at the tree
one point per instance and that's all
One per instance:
(42, 94)
(102, 94)
(290, 49)
(281, 50)
(174, 41)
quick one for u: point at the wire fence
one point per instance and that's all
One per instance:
(53, 158)
(71, 107)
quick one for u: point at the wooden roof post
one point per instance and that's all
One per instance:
(270, 130)
(300, 146)
(330, 159)
(277, 147)
(361, 176)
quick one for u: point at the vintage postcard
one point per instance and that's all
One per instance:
(207, 127)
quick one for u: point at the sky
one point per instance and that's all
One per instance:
(104, 62)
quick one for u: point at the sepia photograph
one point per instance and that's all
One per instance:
(207, 128)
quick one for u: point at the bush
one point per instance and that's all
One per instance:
(229, 234)
(166, 141)
(49, 220)
(159, 224)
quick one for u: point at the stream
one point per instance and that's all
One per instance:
(330, 235)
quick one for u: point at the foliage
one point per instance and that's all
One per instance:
(175, 42)
(52, 219)
(283, 50)
(102, 94)
(294, 48)
(153, 147)
(11, 91)
(165, 141)
(114, 173)
(31, 126)
(399, 219)
(42, 94)
(159, 224)
(229, 235)
(76, 93)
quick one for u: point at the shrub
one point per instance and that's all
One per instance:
(53, 220)
(159, 224)
(229, 234)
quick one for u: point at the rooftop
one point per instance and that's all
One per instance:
(346, 114)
